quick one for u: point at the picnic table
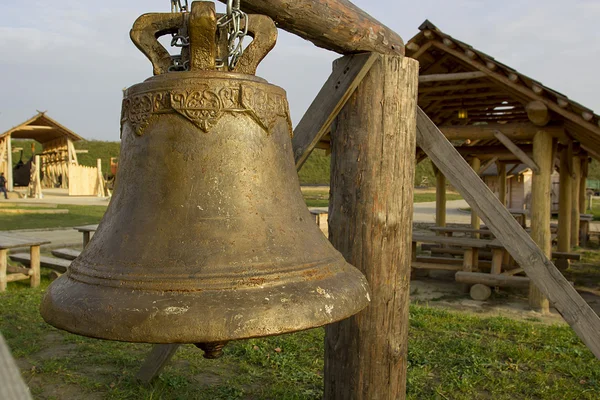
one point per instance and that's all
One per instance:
(470, 249)
(86, 230)
(11, 274)
(450, 231)
(520, 215)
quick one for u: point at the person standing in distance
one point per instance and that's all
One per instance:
(3, 185)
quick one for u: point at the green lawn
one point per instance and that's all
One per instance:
(451, 356)
(78, 215)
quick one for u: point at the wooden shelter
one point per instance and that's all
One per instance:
(58, 153)
(494, 115)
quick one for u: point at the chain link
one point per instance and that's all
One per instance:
(234, 19)
(177, 6)
(178, 40)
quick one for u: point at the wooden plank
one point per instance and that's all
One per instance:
(458, 76)
(3, 266)
(160, 355)
(66, 254)
(17, 277)
(513, 148)
(452, 241)
(436, 266)
(576, 312)
(487, 165)
(336, 25)
(12, 241)
(372, 194)
(86, 228)
(475, 220)
(56, 264)
(446, 229)
(514, 131)
(12, 386)
(348, 72)
(473, 278)
(440, 199)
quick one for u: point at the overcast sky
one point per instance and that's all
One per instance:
(73, 58)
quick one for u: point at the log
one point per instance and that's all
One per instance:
(473, 278)
(543, 145)
(538, 113)
(480, 292)
(158, 358)
(516, 150)
(574, 309)
(502, 183)
(34, 264)
(475, 220)
(514, 131)
(371, 209)
(336, 25)
(436, 266)
(457, 76)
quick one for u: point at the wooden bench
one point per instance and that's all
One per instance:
(12, 241)
(66, 254)
(469, 246)
(86, 230)
(321, 219)
(56, 264)
(584, 228)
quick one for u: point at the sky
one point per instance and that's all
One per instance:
(72, 59)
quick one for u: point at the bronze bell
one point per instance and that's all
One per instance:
(207, 237)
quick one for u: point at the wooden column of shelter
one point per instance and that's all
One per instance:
(475, 220)
(565, 200)
(502, 182)
(370, 223)
(585, 165)
(543, 146)
(9, 172)
(440, 198)
(575, 211)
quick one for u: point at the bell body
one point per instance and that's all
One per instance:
(207, 237)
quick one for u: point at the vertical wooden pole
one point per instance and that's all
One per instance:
(440, 198)
(543, 146)
(38, 184)
(370, 223)
(575, 212)
(502, 183)
(565, 200)
(9, 171)
(585, 165)
(34, 264)
(475, 220)
(3, 266)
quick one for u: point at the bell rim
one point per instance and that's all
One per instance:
(108, 313)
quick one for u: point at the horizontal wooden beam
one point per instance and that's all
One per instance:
(458, 76)
(514, 131)
(336, 25)
(492, 150)
(464, 86)
(517, 151)
(34, 128)
(479, 95)
(542, 272)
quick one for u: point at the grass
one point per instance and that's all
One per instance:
(451, 356)
(78, 215)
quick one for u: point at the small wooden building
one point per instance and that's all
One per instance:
(518, 185)
(57, 156)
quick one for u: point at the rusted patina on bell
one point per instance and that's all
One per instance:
(207, 238)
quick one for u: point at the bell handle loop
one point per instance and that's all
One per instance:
(202, 28)
(263, 31)
(146, 31)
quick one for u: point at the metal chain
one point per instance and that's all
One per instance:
(178, 40)
(176, 6)
(234, 19)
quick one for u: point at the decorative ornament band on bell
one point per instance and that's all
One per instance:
(207, 237)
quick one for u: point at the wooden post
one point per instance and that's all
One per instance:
(9, 169)
(370, 223)
(37, 183)
(440, 198)
(502, 183)
(575, 212)
(156, 361)
(585, 165)
(3, 265)
(475, 220)
(35, 279)
(564, 200)
(543, 145)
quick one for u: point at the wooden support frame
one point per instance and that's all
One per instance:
(348, 72)
(513, 148)
(458, 76)
(574, 309)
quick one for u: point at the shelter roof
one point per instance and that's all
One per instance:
(42, 128)
(454, 75)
